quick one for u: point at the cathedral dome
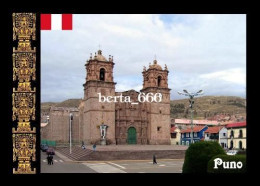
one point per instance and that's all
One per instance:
(100, 57)
(155, 65)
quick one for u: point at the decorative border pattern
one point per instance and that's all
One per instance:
(24, 94)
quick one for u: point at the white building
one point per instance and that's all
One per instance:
(218, 134)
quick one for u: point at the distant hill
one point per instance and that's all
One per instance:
(45, 106)
(209, 106)
(69, 103)
(204, 107)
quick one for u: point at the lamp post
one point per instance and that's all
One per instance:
(219, 133)
(71, 118)
(191, 96)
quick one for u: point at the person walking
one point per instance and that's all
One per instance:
(48, 159)
(94, 147)
(82, 145)
(154, 159)
(51, 160)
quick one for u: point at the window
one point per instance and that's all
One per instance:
(173, 135)
(182, 135)
(187, 135)
(224, 134)
(195, 134)
(158, 129)
(207, 134)
(240, 134)
(187, 142)
(159, 81)
(183, 142)
(232, 133)
(102, 74)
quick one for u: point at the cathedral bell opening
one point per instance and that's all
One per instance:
(159, 81)
(102, 74)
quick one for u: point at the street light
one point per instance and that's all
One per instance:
(71, 118)
(191, 96)
(219, 133)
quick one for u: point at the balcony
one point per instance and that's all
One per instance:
(213, 137)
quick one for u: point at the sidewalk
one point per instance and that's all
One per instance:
(137, 147)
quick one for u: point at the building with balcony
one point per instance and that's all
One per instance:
(236, 135)
(198, 134)
(218, 134)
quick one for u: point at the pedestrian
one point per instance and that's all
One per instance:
(48, 159)
(51, 159)
(154, 159)
(83, 146)
(94, 147)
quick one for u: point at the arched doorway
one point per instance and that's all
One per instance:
(131, 135)
(240, 145)
(231, 145)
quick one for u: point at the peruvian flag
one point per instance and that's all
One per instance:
(56, 21)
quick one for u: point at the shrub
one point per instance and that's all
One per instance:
(241, 152)
(227, 158)
(198, 154)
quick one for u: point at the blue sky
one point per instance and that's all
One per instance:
(201, 51)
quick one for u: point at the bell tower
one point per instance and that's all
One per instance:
(155, 80)
(99, 79)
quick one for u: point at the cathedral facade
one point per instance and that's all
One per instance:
(142, 123)
(127, 123)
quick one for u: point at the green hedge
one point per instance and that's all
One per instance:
(227, 158)
(198, 155)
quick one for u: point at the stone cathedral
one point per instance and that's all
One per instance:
(142, 123)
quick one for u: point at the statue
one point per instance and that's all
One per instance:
(144, 68)
(103, 131)
(166, 67)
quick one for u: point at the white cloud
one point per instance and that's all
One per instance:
(236, 75)
(198, 49)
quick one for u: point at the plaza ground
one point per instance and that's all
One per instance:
(63, 165)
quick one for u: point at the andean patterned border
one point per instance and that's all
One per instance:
(24, 95)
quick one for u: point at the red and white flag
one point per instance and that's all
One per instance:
(56, 21)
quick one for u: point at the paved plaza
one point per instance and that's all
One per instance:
(64, 165)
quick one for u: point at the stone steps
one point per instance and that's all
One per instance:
(77, 152)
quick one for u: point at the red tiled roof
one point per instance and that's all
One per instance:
(173, 129)
(198, 122)
(195, 129)
(238, 124)
(213, 129)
